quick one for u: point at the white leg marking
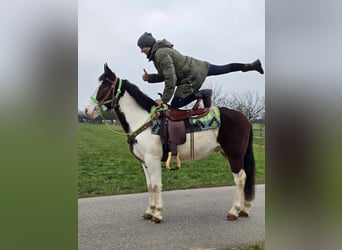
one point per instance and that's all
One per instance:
(151, 203)
(154, 172)
(247, 207)
(156, 190)
(159, 202)
(239, 180)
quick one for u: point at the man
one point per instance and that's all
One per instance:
(183, 75)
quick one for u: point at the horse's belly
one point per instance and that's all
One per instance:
(198, 146)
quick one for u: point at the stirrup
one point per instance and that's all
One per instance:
(167, 163)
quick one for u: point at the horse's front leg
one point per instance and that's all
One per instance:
(154, 210)
(148, 215)
(154, 170)
(156, 190)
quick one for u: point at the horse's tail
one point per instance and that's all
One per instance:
(249, 167)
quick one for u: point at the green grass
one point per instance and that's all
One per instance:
(258, 129)
(106, 166)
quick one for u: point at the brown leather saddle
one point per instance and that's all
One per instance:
(176, 133)
(180, 114)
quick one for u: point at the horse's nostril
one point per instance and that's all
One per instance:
(86, 110)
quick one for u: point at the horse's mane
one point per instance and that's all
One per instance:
(140, 97)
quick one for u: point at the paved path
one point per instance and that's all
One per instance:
(192, 219)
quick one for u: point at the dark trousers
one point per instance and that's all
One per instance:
(178, 102)
(224, 69)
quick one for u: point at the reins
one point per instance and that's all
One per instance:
(154, 115)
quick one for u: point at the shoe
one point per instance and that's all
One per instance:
(256, 65)
(205, 94)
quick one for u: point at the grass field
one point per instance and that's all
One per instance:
(106, 166)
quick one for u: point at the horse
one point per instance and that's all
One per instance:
(233, 139)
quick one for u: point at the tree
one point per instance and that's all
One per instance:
(252, 105)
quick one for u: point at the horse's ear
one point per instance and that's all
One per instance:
(107, 70)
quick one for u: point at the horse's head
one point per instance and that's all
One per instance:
(104, 97)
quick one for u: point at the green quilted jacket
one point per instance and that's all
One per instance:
(183, 73)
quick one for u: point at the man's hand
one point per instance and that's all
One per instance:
(159, 101)
(145, 76)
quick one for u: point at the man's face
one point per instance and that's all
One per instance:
(145, 50)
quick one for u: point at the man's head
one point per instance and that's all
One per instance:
(146, 40)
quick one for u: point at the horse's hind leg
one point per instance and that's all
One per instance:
(245, 211)
(239, 201)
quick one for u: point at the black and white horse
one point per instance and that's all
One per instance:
(233, 138)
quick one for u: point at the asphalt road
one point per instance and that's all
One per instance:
(192, 219)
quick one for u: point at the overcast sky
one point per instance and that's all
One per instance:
(216, 31)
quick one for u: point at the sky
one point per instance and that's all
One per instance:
(216, 31)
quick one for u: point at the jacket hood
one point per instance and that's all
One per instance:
(159, 44)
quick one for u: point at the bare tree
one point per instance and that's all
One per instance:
(252, 105)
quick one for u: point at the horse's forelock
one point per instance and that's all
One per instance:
(103, 87)
(101, 78)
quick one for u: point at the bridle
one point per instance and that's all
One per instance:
(114, 100)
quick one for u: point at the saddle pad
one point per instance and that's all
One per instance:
(210, 121)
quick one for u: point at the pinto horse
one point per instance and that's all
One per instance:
(233, 138)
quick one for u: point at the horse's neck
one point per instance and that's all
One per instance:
(134, 114)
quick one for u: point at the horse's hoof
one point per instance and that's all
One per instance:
(243, 214)
(155, 220)
(147, 216)
(231, 217)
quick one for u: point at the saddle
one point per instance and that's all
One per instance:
(180, 114)
(173, 131)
